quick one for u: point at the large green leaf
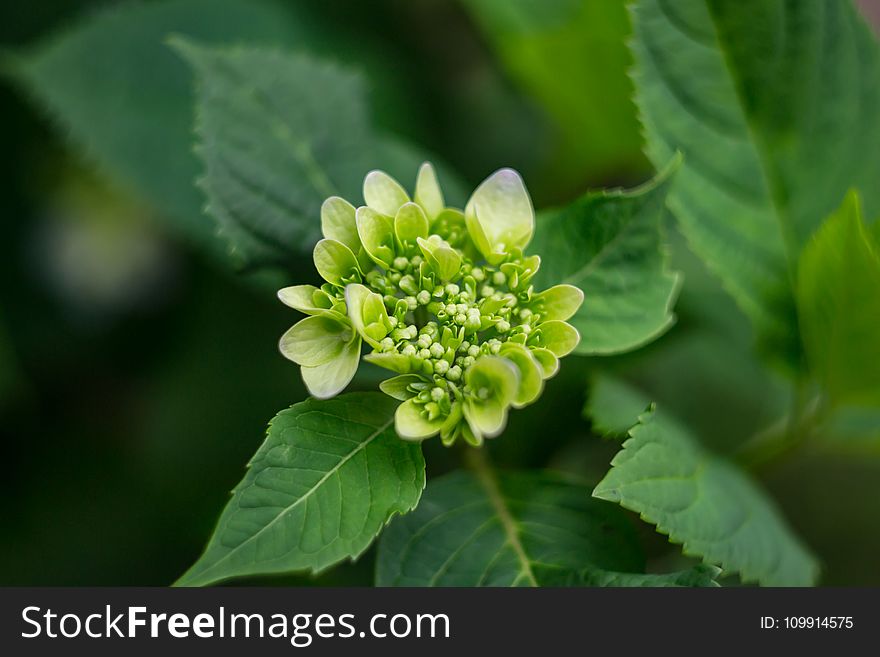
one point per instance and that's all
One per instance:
(706, 504)
(517, 529)
(610, 244)
(566, 54)
(326, 480)
(776, 107)
(125, 100)
(839, 306)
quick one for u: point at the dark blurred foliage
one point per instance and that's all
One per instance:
(137, 376)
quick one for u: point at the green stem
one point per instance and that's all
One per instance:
(477, 460)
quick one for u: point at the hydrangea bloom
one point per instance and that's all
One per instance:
(442, 298)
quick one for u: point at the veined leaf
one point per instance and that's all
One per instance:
(706, 504)
(776, 107)
(517, 529)
(609, 244)
(280, 133)
(326, 480)
(125, 100)
(839, 306)
(701, 575)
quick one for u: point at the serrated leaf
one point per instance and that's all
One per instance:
(838, 293)
(613, 405)
(701, 575)
(706, 504)
(328, 477)
(610, 245)
(776, 107)
(125, 100)
(279, 133)
(517, 529)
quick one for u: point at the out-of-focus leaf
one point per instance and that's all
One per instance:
(280, 133)
(614, 406)
(571, 56)
(706, 504)
(776, 107)
(702, 575)
(515, 529)
(610, 244)
(125, 100)
(838, 293)
(328, 477)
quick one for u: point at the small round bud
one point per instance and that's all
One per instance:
(423, 297)
(467, 361)
(473, 351)
(437, 394)
(495, 348)
(464, 346)
(487, 291)
(424, 354)
(451, 309)
(408, 285)
(525, 328)
(525, 313)
(498, 278)
(454, 373)
(416, 261)
(437, 350)
(441, 367)
(478, 274)
(400, 263)
(424, 341)
(392, 321)
(452, 289)
(503, 326)
(411, 302)
(461, 308)
(473, 323)
(460, 318)
(408, 350)
(387, 344)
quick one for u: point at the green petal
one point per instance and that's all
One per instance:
(335, 261)
(486, 419)
(410, 223)
(376, 232)
(558, 302)
(499, 215)
(428, 194)
(547, 359)
(498, 379)
(412, 425)
(558, 337)
(531, 374)
(443, 259)
(338, 222)
(399, 386)
(383, 193)
(394, 362)
(304, 298)
(367, 313)
(331, 378)
(316, 340)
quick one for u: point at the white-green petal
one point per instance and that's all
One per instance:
(547, 359)
(558, 302)
(383, 193)
(443, 259)
(399, 386)
(304, 298)
(499, 215)
(317, 339)
(394, 362)
(331, 378)
(411, 424)
(531, 373)
(559, 337)
(428, 194)
(498, 379)
(335, 262)
(338, 222)
(410, 223)
(367, 313)
(376, 232)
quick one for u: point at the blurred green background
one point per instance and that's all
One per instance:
(138, 371)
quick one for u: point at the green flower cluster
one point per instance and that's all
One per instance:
(442, 297)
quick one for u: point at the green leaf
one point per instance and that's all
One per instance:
(706, 504)
(513, 530)
(701, 575)
(124, 100)
(326, 480)
(614, 406)
(776, 107)
(610, 245)
(279, 134)
(839, 306)
(571, 57)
